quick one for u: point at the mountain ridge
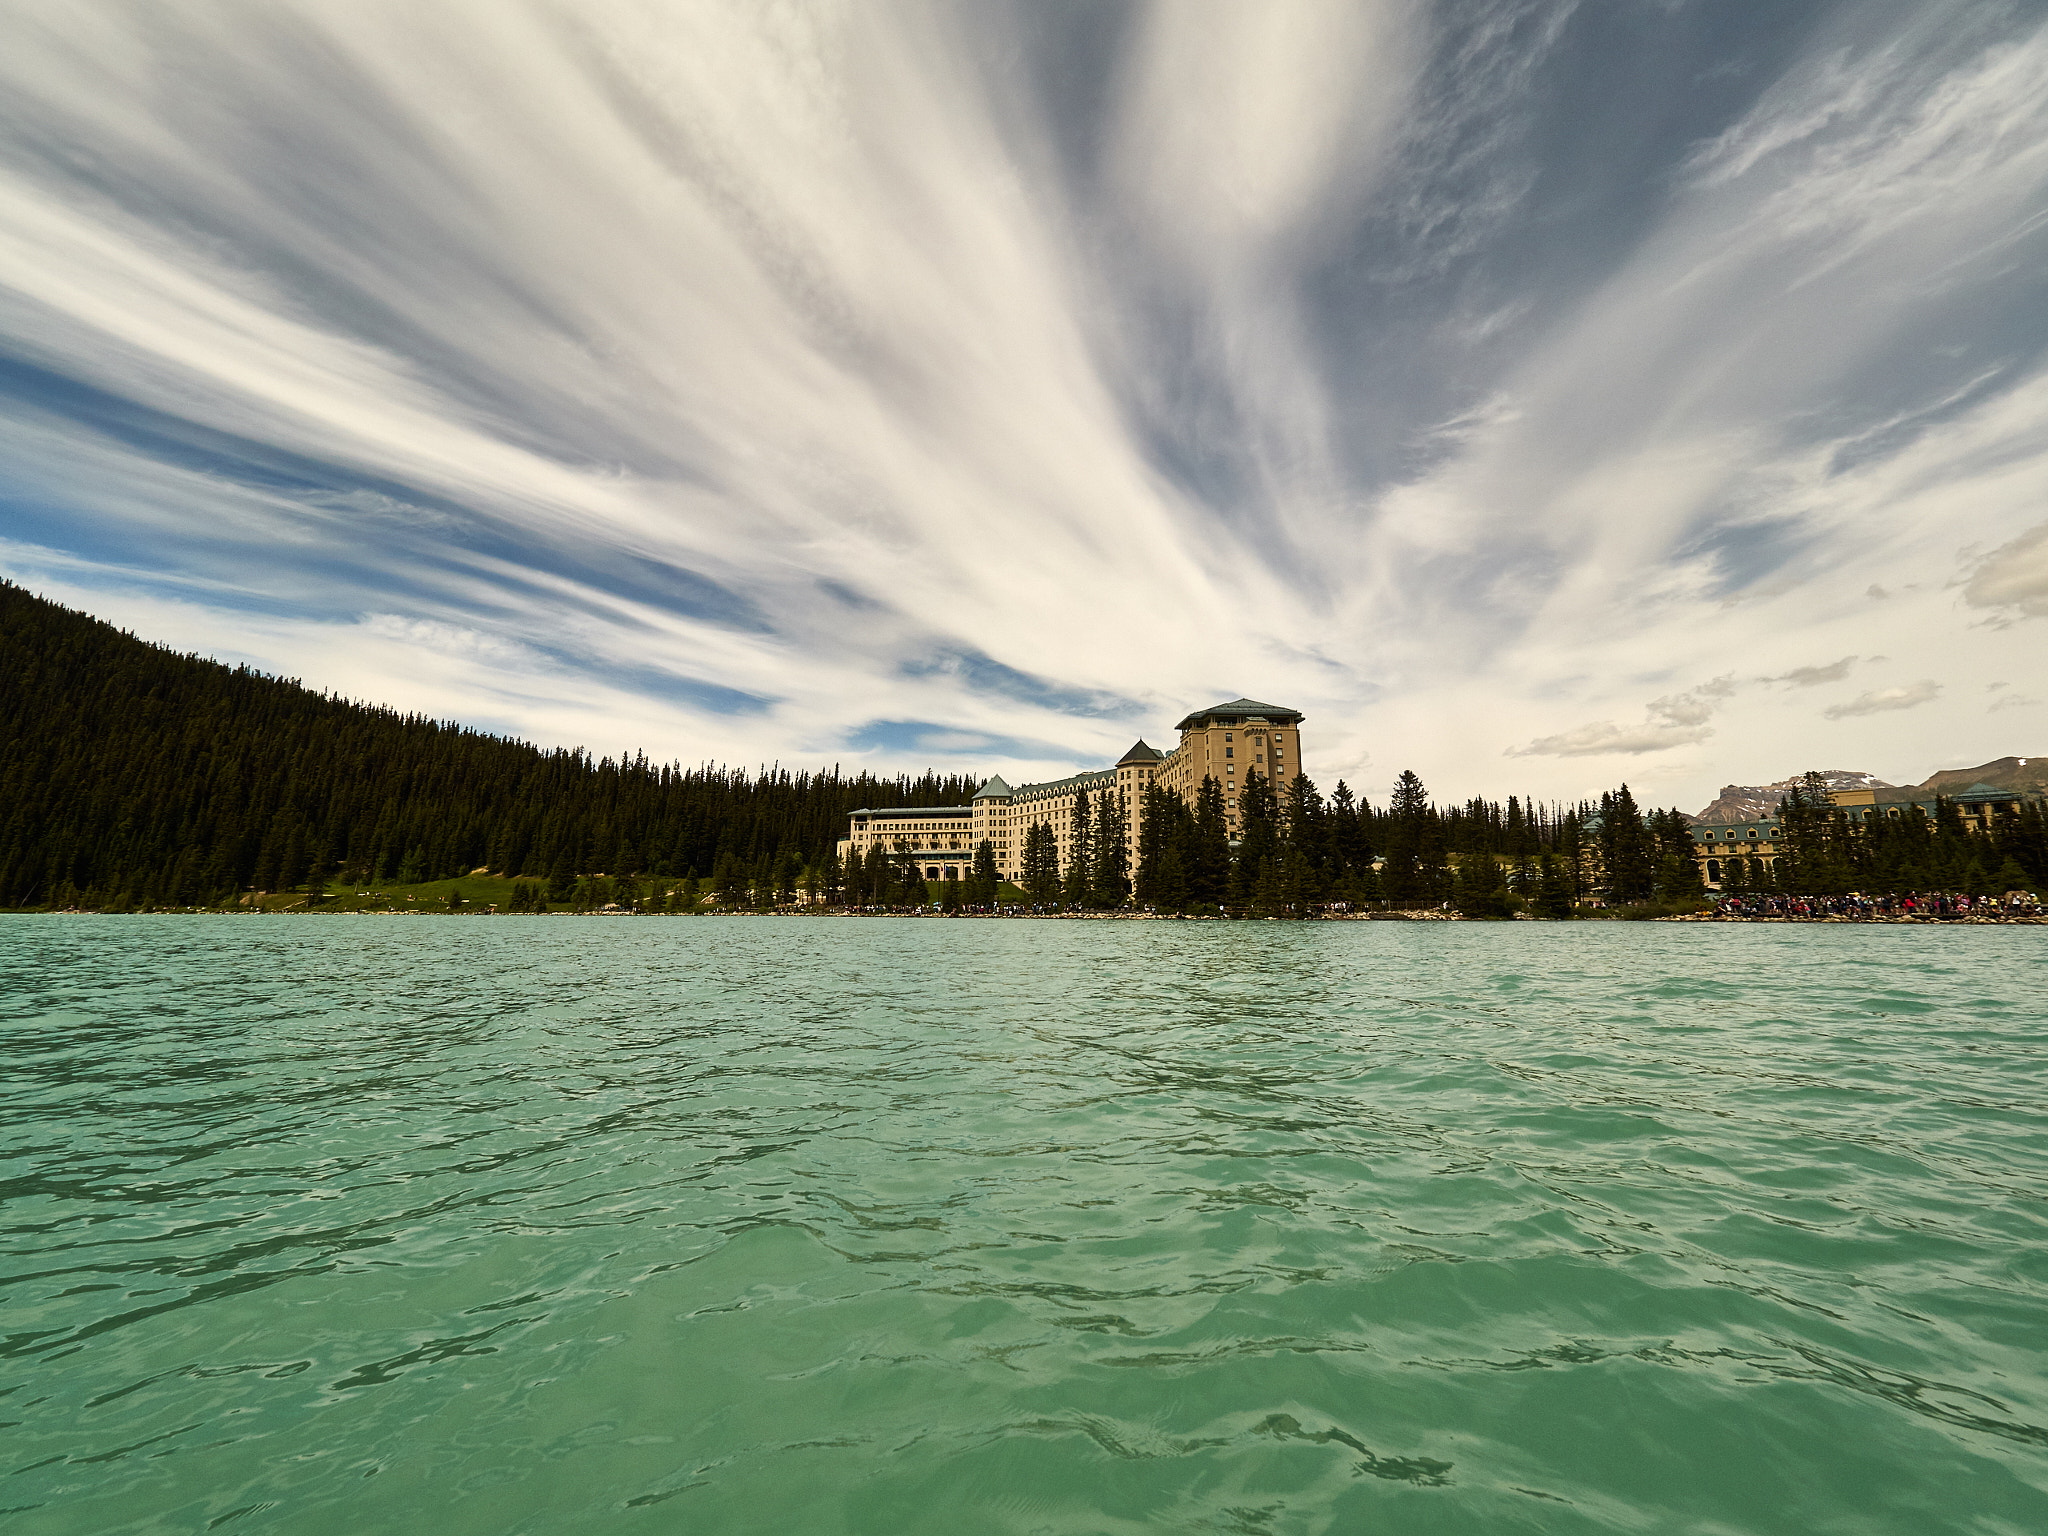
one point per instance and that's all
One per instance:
(1752, 802)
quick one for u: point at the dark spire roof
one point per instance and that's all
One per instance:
(1238, 709)
(1141, 754)
(995, 789)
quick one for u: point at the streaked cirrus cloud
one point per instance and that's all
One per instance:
(986, 384)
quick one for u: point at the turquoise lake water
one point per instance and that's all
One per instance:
(834, 1225)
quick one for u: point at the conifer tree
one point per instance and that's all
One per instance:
(1553, 889)
(1207, 859)
(1169, 884)
(1410, 872)
(1678, 871)
(1258, 846)
(2010, 877)
(1078, 885)
(1626, 851)
(1480, 891)
(1157, 809)
(1351, 852)
(1041, 863)
(1111, 876)
(1364, 885)
(1306, 820)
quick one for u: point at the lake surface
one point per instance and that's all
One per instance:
(835, 1225)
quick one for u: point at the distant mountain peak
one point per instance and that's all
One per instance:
(1752, 802)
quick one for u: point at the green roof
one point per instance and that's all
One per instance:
(1238, 709)
(994, 789)
(1980, 792)
(1073, 781)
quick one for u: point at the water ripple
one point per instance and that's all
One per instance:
(509, 1225)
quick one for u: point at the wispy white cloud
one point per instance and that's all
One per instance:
(758, 381)
(1882, 700)
(1810, 677)
(2013, 576)
(1676, 720)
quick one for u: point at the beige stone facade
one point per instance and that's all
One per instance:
(1225, 743)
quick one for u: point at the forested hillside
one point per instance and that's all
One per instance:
(130, 772)
(134, 776)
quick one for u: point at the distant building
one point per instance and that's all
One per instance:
(1747, 840)
(1981, 807)
(1226, 742)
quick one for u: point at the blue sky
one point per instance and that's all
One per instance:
(1538, 395)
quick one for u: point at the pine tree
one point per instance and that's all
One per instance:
(1553, 889)
(1480, 890)
(1207, 859)
(1157, 829)
(1412, 842)
(1306, 822)
(1814, 857)
(988, 878)
(1040, 864)
(1258, 846)
(1350, 851)
(1111, 876)
(1078, 884)
(1626, 851)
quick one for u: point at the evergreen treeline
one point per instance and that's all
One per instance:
(1640, 858)
(131, 775)
(1298, 850)
(1822, 852)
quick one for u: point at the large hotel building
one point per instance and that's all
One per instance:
(1226, 743)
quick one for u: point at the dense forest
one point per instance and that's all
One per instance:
(133, 776)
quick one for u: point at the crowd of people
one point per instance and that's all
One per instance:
(1933, 904)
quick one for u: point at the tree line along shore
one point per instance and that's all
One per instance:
(136, 778)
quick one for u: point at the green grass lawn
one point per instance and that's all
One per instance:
(477, 891)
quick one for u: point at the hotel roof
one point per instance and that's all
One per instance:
(1073, 781)
(1240, 709)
